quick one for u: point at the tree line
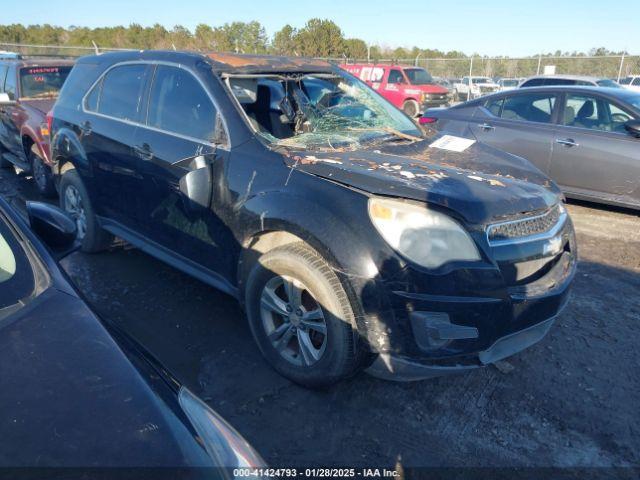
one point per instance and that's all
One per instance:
(317, 38)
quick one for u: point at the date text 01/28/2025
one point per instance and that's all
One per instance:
(316, 472)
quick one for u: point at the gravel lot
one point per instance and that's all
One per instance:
(570, 401)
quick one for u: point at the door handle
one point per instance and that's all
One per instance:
(143, 151)
(85, 128)
(567, 142)
(486, 127)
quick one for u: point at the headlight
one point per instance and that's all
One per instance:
(224, 445)
(426, 237)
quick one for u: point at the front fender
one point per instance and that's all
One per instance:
(67, 148)
(342, 243)
(330, 235)
(28, 131)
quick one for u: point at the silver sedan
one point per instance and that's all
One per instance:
(587, 139)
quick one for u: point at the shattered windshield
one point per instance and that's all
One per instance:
(319, 111)
(418, 76)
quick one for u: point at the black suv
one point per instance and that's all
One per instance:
(352, 238)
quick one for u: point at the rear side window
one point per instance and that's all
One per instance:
(178, 103)
(121, 92)
(495, 106)
(636, 82)
(535, 107)
(91, 102)
(534, 82)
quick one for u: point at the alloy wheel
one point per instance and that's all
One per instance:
(74, 207)
(39, 173)
(293, 321)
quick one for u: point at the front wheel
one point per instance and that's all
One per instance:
(301, 318)
(42, 176)
(75, 201)
(411, 108)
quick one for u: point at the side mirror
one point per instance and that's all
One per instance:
(197, 185)
(5, 100)
(633, 127)
(54, 227)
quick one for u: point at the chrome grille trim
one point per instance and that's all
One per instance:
(527, 229)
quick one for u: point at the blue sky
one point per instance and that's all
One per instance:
(490, 27)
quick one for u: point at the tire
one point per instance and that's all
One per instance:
(411, 108)
(75, 201)
(42, 176)
(333, 356)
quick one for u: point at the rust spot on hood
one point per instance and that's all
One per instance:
(243, 63)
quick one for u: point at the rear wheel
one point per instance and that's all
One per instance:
(42, 176)
(301, 317)
(75, 201)
(411, 108)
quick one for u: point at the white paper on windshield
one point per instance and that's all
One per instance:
(452, 143)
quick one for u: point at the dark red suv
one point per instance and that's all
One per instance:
(28, 90)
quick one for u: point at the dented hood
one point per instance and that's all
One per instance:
(480, 184)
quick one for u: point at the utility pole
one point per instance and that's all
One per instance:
(539, 63)
(417, 57)
(621, 65)
(369, 53)
(470, 82)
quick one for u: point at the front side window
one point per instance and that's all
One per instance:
(636, 82)
(395, 76)
(594, 113)
(121, 92)
(418, 76)
(608, 83)
(43, 81)
(10, 84)
(178, 103)
(529, 107)
(3, 74)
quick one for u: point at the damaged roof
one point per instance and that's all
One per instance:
(240, 63)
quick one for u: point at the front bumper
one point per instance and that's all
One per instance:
(389, 367)
(435, 101)
(471, 317)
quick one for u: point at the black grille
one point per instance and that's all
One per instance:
(525, 227)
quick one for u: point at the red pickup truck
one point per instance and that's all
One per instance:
(410, 88)
(28, 90)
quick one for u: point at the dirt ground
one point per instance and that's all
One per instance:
(570, 401)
